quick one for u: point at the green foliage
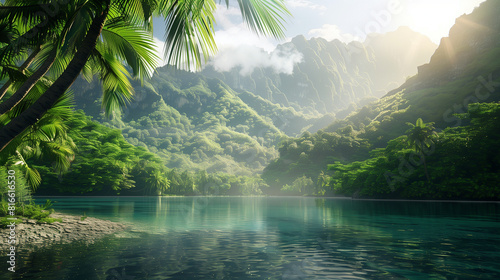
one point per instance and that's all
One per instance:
(48, 140)
(458, 75)
(420, 135)
(193, 123)
(33, 211)
(5, 221)
(22, 186)
(26, 210)
(105, 164)
(301, 186)
(461, 164)
(309, 155)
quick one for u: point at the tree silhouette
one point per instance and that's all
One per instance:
(420, 137)
(189, 39)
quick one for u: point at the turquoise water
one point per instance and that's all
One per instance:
(276, 238)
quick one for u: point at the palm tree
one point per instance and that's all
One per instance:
(189, 39)
(27, 30)
(421, 136)
(16, 72)
(130, 44)
(47, 140)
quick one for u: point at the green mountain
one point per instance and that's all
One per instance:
(464, 69)
(203, 121)
(332, 77)
(231, 123)
(205, 126)
(105, 163)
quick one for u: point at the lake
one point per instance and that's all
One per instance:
(275, 238)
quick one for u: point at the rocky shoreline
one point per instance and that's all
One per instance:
(31, 234)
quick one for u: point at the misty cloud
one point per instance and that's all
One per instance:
(247, 58)
(331, 32)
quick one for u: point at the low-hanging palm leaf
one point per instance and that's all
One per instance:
(46, 140)
(189, 36)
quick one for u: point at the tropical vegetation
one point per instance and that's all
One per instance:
(374, 158)
(225, 133)
(46, 45)
(459, 164)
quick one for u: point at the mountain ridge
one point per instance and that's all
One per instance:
(196, 121)
(440, 90)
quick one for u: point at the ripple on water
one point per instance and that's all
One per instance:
(285, 238)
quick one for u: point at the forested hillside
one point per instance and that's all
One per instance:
(206, 121)
(230, 126)
(334, 77)
(193, 124)
(105, 164)
(463, 70)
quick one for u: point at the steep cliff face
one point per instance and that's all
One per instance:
(333, 76)
(471, 36)
(465, 69)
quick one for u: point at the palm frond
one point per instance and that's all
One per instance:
(75, 27)
(134, 46)
(33, 177)
(130, 10)
(189, 32)
(38, 89)
(190, 26)
(60, 154)
(265, 17)
(12, 73)
(117, 90)
(30, 36)
(16, 10)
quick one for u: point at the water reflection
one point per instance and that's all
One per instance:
(277, 238)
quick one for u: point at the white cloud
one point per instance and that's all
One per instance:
(305, 4)
(160, 50)
(331, 32)
(240, 47)
(247, 58)
(224, 16)
(236, 35)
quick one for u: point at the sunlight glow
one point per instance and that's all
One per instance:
(435, 18)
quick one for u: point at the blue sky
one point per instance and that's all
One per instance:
(346, 20)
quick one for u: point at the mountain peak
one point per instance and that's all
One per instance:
(468, 38)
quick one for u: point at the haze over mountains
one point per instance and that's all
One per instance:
(464, 69)
(329, 76)
(312, 118)
(232, 121)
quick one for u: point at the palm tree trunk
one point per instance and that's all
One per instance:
(23, 67)
(23, 39)
(21, 93)
(425, 163)
(426, 171)
(31, 115)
